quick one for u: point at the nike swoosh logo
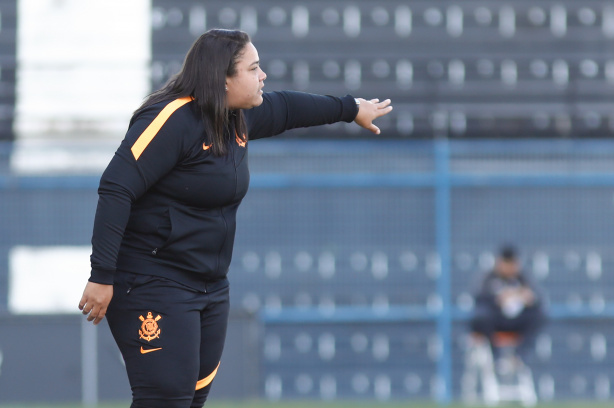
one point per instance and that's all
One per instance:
(205, 147)
(143, 351)
(240, 142)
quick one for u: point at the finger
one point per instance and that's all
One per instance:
(84, 306)
(82, 302)
(383, 104)
(93, 313)
(384, 111)
(100, 316)
(374, 129)
(374, 100)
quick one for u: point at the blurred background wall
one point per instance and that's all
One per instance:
(356, 255)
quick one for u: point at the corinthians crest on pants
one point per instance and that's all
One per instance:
(149, 328)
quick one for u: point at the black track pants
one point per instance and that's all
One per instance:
(171, 338)
(487, 321)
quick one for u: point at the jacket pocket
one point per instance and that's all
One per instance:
(139, 281)
(195, 237)
(164, 232)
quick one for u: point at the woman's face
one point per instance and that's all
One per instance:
(245, 87)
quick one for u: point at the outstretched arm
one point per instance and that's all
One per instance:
(369, 110)
(285, 110)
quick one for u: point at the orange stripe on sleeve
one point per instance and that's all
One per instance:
(207, 380)
(154, 127)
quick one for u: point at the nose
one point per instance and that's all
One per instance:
(263, 76)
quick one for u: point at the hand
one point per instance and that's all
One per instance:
(506, 295)
(527, 296)
(368, 111)
(95, 301)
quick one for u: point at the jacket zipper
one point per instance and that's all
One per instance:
(219, 254)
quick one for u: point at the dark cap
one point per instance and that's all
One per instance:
(508, 253)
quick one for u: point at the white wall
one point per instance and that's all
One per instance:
(47, 280)
(83, 67)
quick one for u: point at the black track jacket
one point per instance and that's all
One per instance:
(167, 206)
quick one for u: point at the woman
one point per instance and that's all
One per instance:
(165, 223)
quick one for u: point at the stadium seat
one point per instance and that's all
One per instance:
(493, 382)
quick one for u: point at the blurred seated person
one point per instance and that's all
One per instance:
(507, 302)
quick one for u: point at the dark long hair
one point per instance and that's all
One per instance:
(211, 58)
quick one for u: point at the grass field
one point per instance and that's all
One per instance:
(320, 404)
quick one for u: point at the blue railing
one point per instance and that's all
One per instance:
(442, 178)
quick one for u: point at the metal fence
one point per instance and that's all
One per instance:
(359, 259)
(401, 237)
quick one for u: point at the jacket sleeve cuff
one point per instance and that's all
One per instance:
(103, 276)
(350, 109)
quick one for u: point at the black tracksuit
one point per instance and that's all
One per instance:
(489, 317)
(164, 233)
